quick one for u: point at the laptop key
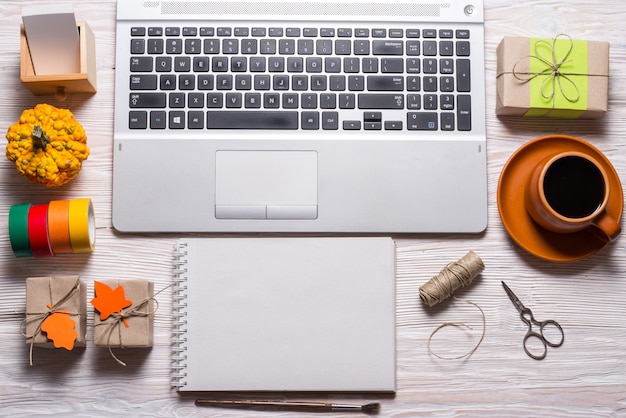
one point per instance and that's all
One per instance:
(141, 64)
(462, 34)
(392, 65)
(330, 120)
(422, 121)
(393, 125)
(220, 119)
(147, 100)
(351, 125)
(463, 75)
(430, 48)
(137, 46)
(177, 119)
(447, 121)
(372, 116)
(155, 31)
(310, 120)
(372, 126)
(387, 47)
(158, 119)
(381, 101)
(195, 119)
(143, 82)
(463, 48)
(464, 112)
(138, 120)
(385, 83)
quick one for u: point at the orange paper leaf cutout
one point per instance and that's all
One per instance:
(109, 301)
(60, 329)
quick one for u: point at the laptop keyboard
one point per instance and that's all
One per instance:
(299, 78)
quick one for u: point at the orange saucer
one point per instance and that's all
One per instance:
(520, 226)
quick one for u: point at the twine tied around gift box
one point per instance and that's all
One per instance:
(553, 73)
(40, 317)
(115, 320)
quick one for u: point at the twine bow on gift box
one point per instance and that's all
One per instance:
(553, 74)
(63, 336)
(114, 318)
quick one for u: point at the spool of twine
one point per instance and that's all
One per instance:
(452, 277)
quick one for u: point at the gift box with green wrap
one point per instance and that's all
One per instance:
(553, 77)
(124, 313)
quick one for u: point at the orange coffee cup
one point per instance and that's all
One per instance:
(568, 192)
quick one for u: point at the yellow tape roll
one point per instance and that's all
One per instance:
(82, 225)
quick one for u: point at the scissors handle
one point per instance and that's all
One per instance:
(545, 342)
(551, 324)
(536, 336)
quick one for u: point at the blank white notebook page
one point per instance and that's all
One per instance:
(290, 314)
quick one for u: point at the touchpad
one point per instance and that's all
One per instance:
(266, 185)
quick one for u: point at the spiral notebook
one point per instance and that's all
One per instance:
(285, 314)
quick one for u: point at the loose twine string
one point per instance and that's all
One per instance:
(458, 324)
(40, 317)
(115, 320)
(440, 287)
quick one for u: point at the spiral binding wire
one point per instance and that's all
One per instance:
(179, 317)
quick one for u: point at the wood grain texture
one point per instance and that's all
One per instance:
(586, 377)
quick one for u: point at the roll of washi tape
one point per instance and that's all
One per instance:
(38, 231)
(18, 230)
(59, 226)
(82, 225)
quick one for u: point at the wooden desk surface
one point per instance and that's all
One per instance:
(586, 377)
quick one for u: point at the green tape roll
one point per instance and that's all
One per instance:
(18, 230)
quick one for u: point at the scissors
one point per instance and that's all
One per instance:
(527, 317)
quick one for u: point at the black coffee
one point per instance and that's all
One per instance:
(574, 187)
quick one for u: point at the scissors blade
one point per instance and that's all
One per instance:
(518, 304)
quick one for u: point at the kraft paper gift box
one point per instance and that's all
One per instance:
(47, 295)
(553, 77)
(139, 316)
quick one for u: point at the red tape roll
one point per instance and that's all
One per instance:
(38, 231)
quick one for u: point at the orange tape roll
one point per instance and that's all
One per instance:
(59, 226)
(82, 225)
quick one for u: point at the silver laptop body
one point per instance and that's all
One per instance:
(344, 134)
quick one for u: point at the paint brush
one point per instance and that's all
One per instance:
(370, 408)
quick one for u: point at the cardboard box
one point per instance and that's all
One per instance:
(62, 293)
(139, 316)
(560, 77)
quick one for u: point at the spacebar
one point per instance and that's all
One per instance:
(233, 119)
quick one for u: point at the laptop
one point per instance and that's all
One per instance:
(326, 116)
